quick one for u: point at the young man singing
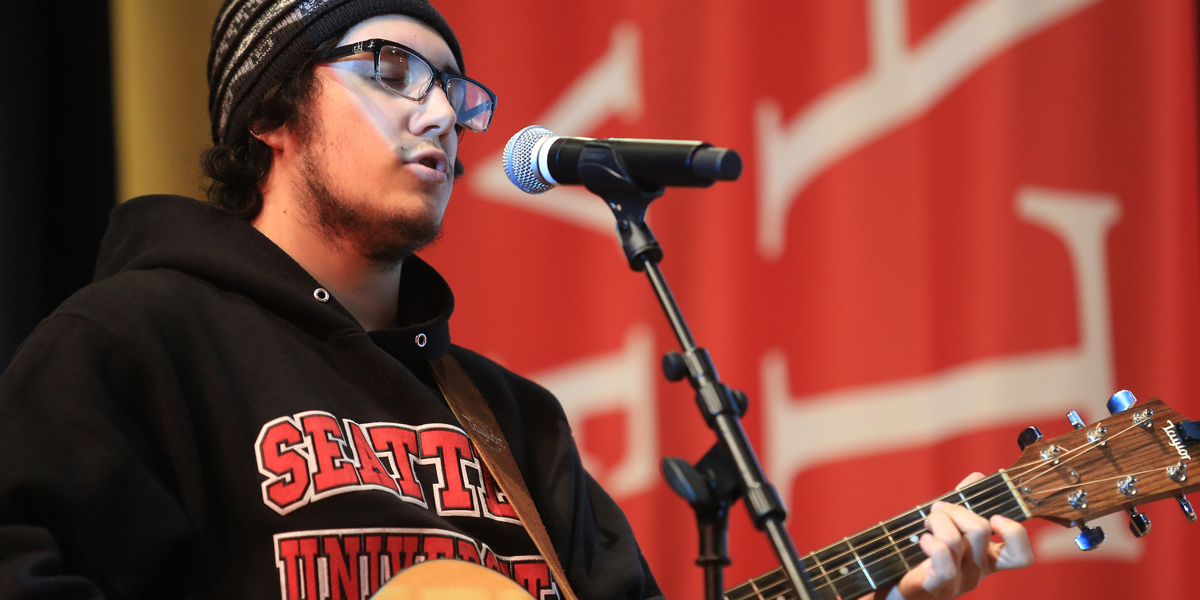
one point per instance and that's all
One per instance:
(243, 406)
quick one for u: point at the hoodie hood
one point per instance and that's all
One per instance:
(186, 235)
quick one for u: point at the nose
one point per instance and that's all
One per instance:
(436, 115)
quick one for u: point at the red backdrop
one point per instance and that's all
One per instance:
(957, 218)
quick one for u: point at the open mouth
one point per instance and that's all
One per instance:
(430, 158)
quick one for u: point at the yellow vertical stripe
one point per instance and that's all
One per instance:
(160, 94)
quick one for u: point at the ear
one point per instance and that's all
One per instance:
(276, 138)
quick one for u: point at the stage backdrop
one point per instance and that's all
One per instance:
(957, 218)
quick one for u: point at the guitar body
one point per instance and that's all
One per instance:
(450, 580)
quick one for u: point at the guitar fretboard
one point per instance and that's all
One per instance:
(881, 555)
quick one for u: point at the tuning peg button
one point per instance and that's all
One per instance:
(1076, 422)
(1120, 401)
(1031, 435)
(1139, 523)
(1186, 507)
(1189, 431)
(1090, 539)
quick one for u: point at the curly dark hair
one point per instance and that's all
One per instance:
(240, 165)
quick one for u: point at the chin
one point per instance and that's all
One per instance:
(391, 240)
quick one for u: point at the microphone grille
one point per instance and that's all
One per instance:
(519, 159)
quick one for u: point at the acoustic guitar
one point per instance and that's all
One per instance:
(1134, 457)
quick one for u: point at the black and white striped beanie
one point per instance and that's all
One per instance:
(258, 43)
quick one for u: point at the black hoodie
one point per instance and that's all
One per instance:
(204, 422)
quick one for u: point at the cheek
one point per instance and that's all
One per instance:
(359, 150)
(360, 120)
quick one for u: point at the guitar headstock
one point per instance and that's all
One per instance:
(1136, 456)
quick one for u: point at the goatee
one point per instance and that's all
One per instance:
(383, 237)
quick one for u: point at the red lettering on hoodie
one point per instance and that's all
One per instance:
(281, 457)
(334, 468)
(454, 494)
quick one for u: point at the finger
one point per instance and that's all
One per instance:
(972, 478)
(942, 565)
(941, 525)
(977, 533)
(944, 546)
(911, 586)
(1015, 552)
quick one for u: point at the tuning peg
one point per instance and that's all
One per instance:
(1090, 539)
(1031, 435)
(1189, 431)
(1186, 507)
(1076, 422)
(1139, 523)
(1121, 401)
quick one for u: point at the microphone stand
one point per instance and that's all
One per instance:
(730, 469)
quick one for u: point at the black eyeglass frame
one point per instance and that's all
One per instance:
(376, 46)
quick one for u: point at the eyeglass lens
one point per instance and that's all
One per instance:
(411, 77)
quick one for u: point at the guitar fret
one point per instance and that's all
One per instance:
(892, 541)
(757, 592)
(909, 525)
(883, 552)
(778, 585)
(828, 585)
(858, 559)
(775, 585)
(845, 580)
(752, 585)
(964, 500)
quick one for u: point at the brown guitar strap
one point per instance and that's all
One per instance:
(472, 411)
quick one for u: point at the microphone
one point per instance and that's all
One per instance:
(536, 160)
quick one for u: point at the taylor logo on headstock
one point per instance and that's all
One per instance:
(1173, 439)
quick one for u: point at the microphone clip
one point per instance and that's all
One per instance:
(601, 171)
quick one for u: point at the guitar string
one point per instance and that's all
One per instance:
(1052, 462)
(1049, 463)
(1097, 481)
(905, 532)
(976, 495)
(784, 587)
(901, 548)
(1081, 449)
(998, 484)
(897, 549)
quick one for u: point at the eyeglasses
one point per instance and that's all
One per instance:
(403, 71)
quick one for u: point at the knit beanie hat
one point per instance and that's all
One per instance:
(258, 43)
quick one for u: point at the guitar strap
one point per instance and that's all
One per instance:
(472, 411)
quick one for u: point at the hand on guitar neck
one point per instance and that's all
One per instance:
(961, 552)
